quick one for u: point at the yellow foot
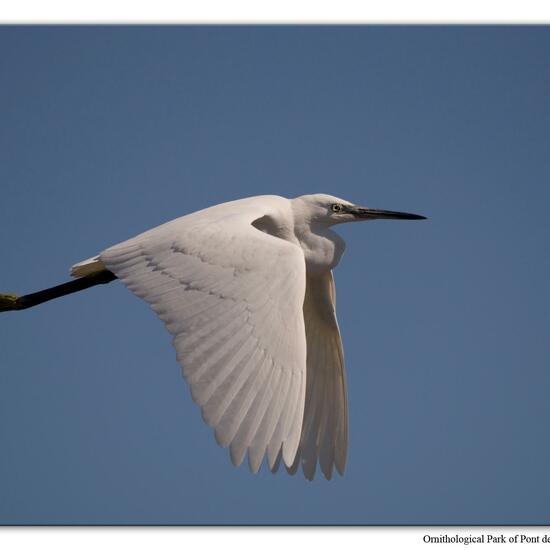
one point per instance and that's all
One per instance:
(9, 302)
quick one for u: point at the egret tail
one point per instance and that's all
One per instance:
(13, 302)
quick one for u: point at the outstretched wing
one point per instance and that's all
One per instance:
(325, 430)
(232, 298)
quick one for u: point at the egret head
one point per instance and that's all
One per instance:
(330, 210)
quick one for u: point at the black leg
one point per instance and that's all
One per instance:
(12, 302)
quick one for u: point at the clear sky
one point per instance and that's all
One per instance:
(106, 132)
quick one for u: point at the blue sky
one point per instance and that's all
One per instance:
(109, 131)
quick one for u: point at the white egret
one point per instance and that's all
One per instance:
(246, 290)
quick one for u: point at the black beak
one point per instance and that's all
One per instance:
(375, 214)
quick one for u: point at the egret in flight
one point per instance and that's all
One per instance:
(246, 290)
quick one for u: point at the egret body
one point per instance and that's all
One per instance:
(246, 290)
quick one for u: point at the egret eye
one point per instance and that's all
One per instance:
(337, 207)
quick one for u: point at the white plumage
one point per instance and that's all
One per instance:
(246, 290)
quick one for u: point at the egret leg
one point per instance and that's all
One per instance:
(13, 302)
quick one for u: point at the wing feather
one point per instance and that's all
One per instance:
(324, 436)
(277, 439)
(267, 425)
(244, 417)
(232, 297)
